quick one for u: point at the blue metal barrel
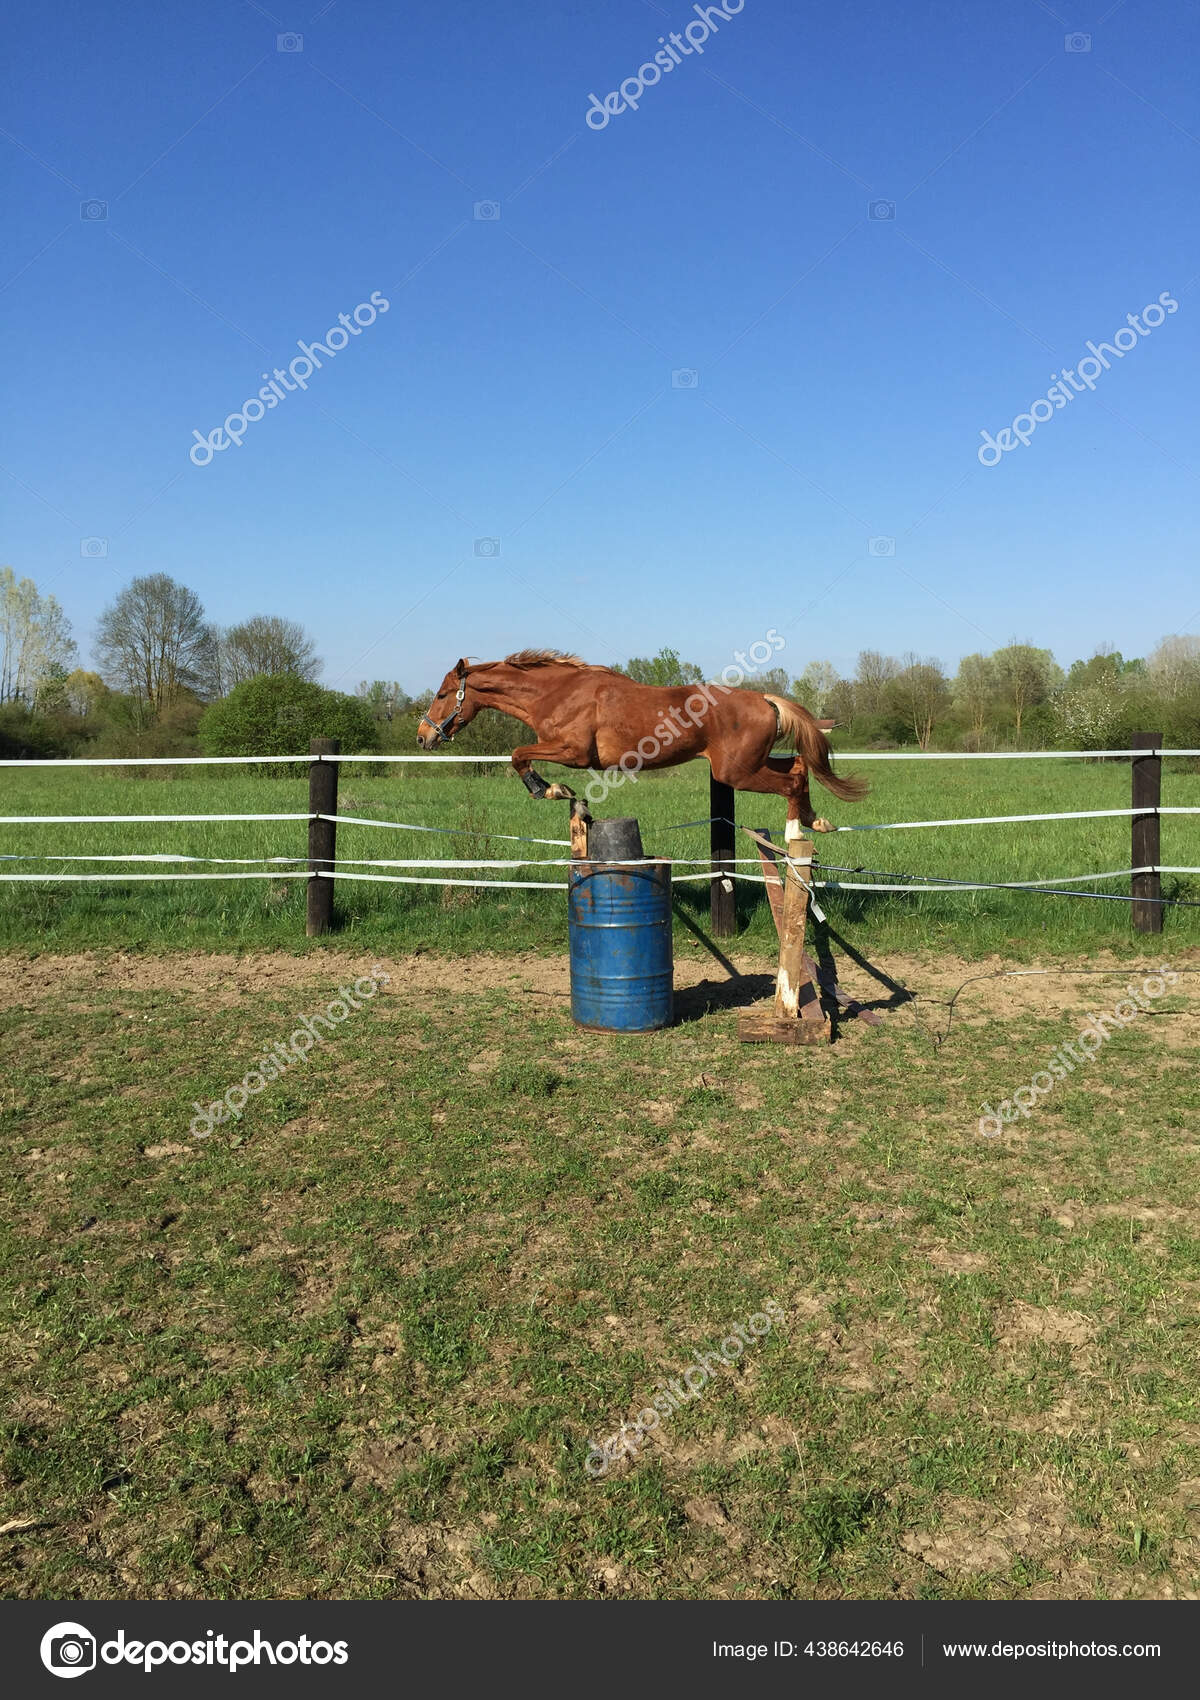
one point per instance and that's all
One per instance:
(619, 923)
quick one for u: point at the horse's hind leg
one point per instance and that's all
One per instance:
(800, 803)
(800, 809)
(786, 776)
(522, 760)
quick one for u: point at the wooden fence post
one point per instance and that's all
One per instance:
(722, 838)
(1147, 794)
(322, 834)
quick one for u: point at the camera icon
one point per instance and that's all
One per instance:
(881, 546)
(487, 546)
(1077, 43)
(289, 42)
(488, 212)
(881, 209)
(90, 211)
(685, 378)
(68, 1650)
(93, 548)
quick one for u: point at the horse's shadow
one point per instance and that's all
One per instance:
(739, 990)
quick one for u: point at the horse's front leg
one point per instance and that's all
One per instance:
(523, 759)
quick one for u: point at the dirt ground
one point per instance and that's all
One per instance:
(902, 983)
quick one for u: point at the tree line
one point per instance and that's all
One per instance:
(171, 682)
(1017, 697)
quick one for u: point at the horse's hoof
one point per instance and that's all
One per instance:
(823, 826)
(560, 794)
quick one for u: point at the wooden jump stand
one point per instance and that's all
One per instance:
(580, 821)
(797, 1017)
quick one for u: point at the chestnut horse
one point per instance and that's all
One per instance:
(594, 717)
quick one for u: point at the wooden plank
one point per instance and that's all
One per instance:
(722, 803)
(322, 835)
(762, 1027)
(1147, 794)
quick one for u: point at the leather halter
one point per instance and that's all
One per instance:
(440, 726)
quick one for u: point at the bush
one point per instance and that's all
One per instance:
(125, 726)
(1088, 717)
(276, 714)
(25, 736)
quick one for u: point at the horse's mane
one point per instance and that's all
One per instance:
(543, 658)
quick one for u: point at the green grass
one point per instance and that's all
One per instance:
(481, 800)
(360, 1344)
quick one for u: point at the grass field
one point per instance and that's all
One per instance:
(360, 1343)
(479, 800)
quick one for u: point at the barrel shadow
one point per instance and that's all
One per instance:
(736, 991)
(693, 1002)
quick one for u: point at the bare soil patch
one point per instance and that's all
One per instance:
(976, 1540)
(226, 978)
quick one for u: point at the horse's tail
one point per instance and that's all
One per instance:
(797, 724)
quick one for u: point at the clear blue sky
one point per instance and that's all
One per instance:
(520, 385)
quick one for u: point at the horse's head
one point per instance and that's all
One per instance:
(449, 710)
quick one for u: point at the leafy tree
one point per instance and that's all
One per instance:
(85, 692)
(665, 668)
(1106, 666)
(127, 716)
(771, 681)
(275, 714)
(266, 643)
(35, 638)
(1025, 677)
(815, 686)
(840, 703)
(920, 692)
(873, 674)
(1174, 666)
(154, 641)
(386, 699)
(976, 687)
(50, 693)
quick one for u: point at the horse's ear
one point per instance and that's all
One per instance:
(461, 668)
